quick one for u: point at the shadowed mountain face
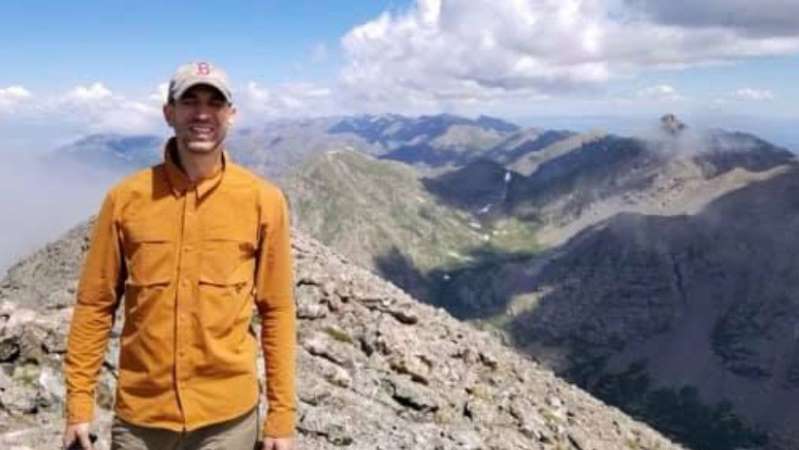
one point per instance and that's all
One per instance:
(482, 186)
(376, 369)
(707, 301)
(526, 142)
(730, 150)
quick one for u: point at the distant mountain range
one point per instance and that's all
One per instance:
(113, 152)
(656, 271)
(278, 147)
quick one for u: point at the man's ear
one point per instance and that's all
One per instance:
(169, 113)
(231, 119)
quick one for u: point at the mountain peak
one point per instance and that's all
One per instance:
(671, 124)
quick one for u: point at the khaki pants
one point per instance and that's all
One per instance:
(240, 433)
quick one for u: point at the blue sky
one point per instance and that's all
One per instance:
(56, 45)
(72, 68)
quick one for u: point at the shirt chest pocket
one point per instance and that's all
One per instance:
(228, 256)
(150, 254)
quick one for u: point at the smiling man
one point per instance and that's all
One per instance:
(192, 244)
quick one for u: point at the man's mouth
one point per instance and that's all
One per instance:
(201, 130)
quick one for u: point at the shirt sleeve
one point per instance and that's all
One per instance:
(100, 287)
(275, 300)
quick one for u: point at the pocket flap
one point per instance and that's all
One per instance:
(220, 278)
(227, 232)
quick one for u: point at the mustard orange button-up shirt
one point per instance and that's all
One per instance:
(190, 260)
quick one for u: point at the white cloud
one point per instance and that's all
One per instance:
(660, 92)
(753, 94)
(12, 96)
(14, 93)
(286, 100)
(97, 109)
(88, 94)
(160, 94)
(446, 50)
(449, 51)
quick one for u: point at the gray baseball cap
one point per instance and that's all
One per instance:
(199, 72)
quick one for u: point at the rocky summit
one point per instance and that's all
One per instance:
(376, 369)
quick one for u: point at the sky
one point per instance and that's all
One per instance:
(72, 68)
(101, 66)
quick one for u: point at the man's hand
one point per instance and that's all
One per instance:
(278, 444)
(79, 432)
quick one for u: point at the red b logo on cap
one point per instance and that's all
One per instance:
(203, 68)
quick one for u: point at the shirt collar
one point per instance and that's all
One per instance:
(179, 182)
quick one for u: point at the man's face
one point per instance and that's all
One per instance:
(200, 118)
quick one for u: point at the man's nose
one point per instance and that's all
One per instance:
(203, 111)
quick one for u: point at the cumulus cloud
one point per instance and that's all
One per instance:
(753, 94)
(12, 96)
(448, 50)
(442, 50)
(661, 92)
(89, 94)
(14, 93)
(98, 109)
(285, 100)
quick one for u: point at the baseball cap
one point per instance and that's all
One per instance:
(199, 72)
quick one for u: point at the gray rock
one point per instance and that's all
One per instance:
(376, 370)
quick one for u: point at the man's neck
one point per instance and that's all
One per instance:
(198, 165)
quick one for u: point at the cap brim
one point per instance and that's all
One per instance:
(178, 91)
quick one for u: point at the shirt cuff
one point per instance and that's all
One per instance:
(79, 410)
(279, 424)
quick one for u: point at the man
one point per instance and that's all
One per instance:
(190, 244)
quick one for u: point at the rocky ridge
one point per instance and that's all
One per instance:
(378, 370)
